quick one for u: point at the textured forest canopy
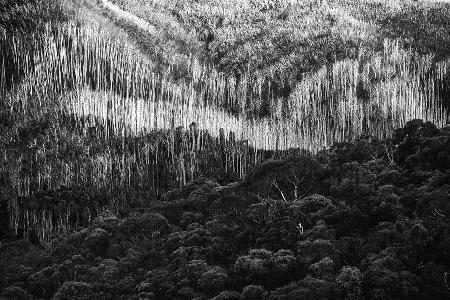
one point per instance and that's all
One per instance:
(286, 38)
(250, 75)
(162, 164)
(364, 225)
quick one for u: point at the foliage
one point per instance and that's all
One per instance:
(287, 38)
(371, 229)
(104, 193)
(25, 15)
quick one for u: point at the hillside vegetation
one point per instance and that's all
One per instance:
(224, 149)
(349, 223)
(285, 38)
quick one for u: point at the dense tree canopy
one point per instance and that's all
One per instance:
(373, 224)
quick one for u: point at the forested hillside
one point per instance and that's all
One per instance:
(356, 221)
(224, 149)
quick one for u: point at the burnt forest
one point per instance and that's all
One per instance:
(225, 149)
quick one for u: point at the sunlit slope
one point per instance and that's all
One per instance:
(199, 114)
(373, 93)
(285, 38)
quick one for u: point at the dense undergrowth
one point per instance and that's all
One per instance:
(361, 220)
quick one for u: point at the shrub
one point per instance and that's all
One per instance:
(42, 283)
(314, 251)
(190, 217)
(14, 292)
(320, 231)
(383, 274)
(98, 242)
(75, 290)
(213, 280)
(323, 269)
(308, 288)
(254, 267)
(284, 267)
(349, 280)
(313, 203)
(228, 295)
(158, 282)
(293, 176)
(145, 224)
(253, 292)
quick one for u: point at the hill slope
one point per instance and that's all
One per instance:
(209, 149)
(349, 223)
